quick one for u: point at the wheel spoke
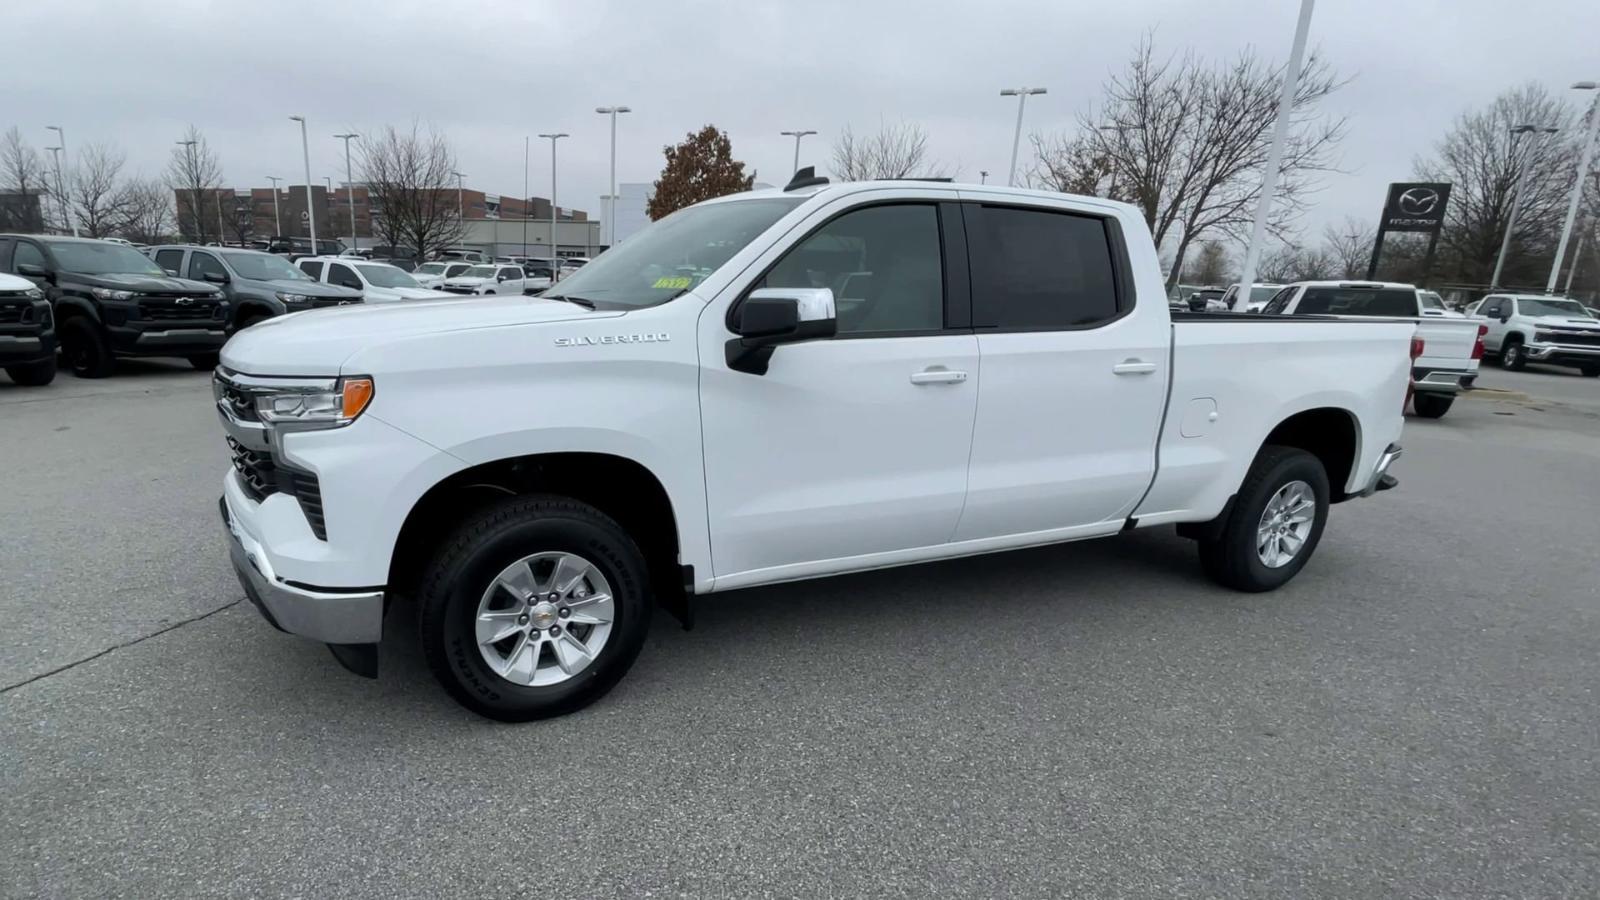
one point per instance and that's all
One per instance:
(519, 581)
(1292, 542)
(497, 625)
(522, 660)
(568, 572)
(571, 654)
(596, 609)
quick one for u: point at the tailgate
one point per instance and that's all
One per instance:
(1447, 343)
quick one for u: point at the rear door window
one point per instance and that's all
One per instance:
(1039, 270)
(203, 264)
(1357, 301)
(170, 260)
(1279, 302)
(341, 274)
(311, 267)
(27, 254)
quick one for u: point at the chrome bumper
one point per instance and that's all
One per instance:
(331, 616)
(1545, 351)
(1442, 382)
(1381, 480)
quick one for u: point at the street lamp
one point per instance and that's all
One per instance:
(61, 193)
(555, 263)
(461, 205)
(349, 186)
(611, 215)
(797, 135)
(1280, 133)
(1022, 95)
(71, 220)
(983, 176)
(277, 222)
(305, 150)
(1577, 186)
(194, 201)
(1516, 196)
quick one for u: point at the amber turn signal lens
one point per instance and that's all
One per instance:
(356, 395)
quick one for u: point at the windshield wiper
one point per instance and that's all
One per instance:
(580, 301)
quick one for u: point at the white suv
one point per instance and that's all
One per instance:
(433, 274)
(377, 282)
(1539, 328)
(489, 279)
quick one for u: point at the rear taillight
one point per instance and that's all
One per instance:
(1477, 345)
(1417, 345)
(1411, 376)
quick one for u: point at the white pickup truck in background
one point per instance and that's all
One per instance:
(1452, 345)
(1539, 328)
(776, 385)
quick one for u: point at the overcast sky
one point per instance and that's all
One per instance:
(488, 73)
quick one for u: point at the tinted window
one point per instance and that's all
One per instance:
(203, 264)
(1342, 301)
(510, 273)
(171, 260)
(882, 263)
(1033, 269)
(1276, 305)
(312, 268)
(102, 258)
(340, 274)
(27, 254)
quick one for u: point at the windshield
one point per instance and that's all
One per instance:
(479, 272)
(1430, 300)
(94, 258)
(430, 269)
(387, 276)
(264, 267)
(1537, 307)
(1352, 301)
(1261, 293)
(674, 254)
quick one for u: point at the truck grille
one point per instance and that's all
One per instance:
(178, 309)
(320, 302)
(241, 403)
(457, 289)
(1576, 338)
(15, 313)
(261, 478)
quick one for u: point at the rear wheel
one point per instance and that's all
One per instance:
(1512, 356)
(1275, 523)
(34, 374)
(205, 362)
(87, 353)
(1590, 371)
(534, 608)
(1432, 406)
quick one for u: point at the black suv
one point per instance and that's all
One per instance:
(110, 300)
(296, 247)
(258, 285)
(27, 333)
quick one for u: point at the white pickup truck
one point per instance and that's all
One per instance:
(1453, 345)
(776, 385)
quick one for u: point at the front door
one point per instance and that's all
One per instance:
(850, 446)
(1492, 309)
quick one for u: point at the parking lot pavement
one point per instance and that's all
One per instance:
(1413, 716)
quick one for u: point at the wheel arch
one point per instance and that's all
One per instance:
(248, 307)
(1332, 434)
(69, 306)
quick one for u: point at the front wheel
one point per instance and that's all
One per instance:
(36, 374)
(1432, 406)
(534, 608)
(1513, 357)
(86, 351)
(1275, 523)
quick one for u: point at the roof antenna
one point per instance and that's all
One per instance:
(806, 177)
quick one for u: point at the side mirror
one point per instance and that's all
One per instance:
(33, 270)
(1505, 317)
(773, 316)
(216, 277)
(501, 277)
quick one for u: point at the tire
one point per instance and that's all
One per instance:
(1432, 406)
(35, 374)
(1590, 371)
(1512, 357)
(1232, 558)
(86, 351)
(205, 362)
(249, 320)
(455, 589)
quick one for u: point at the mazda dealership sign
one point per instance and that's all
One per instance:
(1415, 207)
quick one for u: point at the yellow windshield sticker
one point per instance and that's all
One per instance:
(671, 283)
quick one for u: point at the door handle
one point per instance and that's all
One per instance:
(938, 376)
(1133, 367)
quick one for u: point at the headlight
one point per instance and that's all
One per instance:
(109, 294)
(293, 298)
(33, 294)
(316, 407)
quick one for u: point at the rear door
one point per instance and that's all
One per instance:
(1074, 371)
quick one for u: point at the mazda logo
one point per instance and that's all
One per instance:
(1418, 201)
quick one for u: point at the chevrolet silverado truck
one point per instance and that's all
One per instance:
(110, 301)
(771, 386)
(27, 332)
(1538, 328)
(1453, 345)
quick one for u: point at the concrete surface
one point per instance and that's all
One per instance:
(1415, 715)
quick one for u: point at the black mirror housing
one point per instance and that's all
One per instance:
(768, 317)
(773, 316)
(32, 270)
(216, 278)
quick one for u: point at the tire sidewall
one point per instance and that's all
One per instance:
(79, 335)
(1511, 355)
(1297, 467)
(449, 617)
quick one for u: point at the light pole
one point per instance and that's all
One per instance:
(71, 220)
(983, 176)
(1577, 255)
(1516, 198)
(222, 224)
(277, 222)
(797, 135)
(611, 214)
(461, 204)
(194, 201)
(555, 262)
(1269, 178)
(61, 193)
(525, 198)
(1577, 187)
(349, 186)
(305, 151)
(1022, 95)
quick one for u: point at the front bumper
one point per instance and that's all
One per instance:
(1381, 480)
(1572, 354)
(333, 616)
(16, 349)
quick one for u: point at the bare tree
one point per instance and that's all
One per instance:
(1211, 265)
(894, 151)
(25, 174)
(1481, 159)
(409, 177)
(95, 192)
(1349, 245)
(1187, 141)
(1070, 165)
(147, 210)
(1288, 263)
(194, 174)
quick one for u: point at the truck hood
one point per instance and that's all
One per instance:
(317, 342)
(308, 288)
(144, 284)
(462, 281)
(375, 294)
(1565, 322)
